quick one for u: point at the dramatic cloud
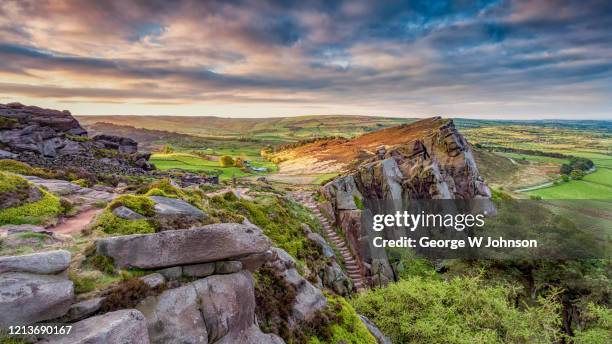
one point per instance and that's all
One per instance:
(519, 59)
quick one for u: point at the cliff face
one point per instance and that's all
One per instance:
(55, 139)
(436, 163)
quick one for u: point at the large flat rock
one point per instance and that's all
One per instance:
(50, 262)
(166, 206)
(181, 247)
(127, 326)
(28, 298)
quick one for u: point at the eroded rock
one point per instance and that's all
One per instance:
(182, 247)
(27, 298)
(50, 262)
(119, 327)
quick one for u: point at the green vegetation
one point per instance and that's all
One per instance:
(337, 323)
(347, 327)
(108, 223)
(143, 205)
(226, 161)
(212, 165)
(598, 329)
(19, 167)
(279, 218)
(38, 212)
(462, 310)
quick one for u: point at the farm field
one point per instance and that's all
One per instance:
(194, 163)
(571, 138)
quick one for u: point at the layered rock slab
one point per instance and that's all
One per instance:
(50, 262)
(210, 243)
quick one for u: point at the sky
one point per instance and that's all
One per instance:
(510, 59)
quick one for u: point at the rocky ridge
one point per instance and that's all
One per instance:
(55, 139)
(435, 162)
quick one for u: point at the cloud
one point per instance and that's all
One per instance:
(384, 57)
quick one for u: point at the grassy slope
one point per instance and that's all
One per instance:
(280, 129)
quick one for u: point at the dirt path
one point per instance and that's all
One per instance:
(74, 225)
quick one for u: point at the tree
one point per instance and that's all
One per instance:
(167, 149)
(226, 161)
(565, 169)
(239, 162)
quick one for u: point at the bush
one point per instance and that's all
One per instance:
(111, 224)
(598, 327)
(143, 205)
(103, 263)
(462, 310)
(35, 213)
(226, 161)
(14, 166)
(127, 294)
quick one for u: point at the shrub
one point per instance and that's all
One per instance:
(7, 123)
(226, 161)
(339, 323)
(36, 213)
(598, 327)
(103, 263)
(127, 294)
(14, 166)
(462, 310)
(143, 205)
(84, 282)
(239, 162)
(111, 224)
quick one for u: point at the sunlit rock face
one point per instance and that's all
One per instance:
(436, 164)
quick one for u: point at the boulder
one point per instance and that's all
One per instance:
(83, 309)
(182, 247)
(166, 206)
(119, 327)
(28, 298)
(127, 213)
(199, 270)
(153, 280)
(327, 251)
(309, 299)
(174, 317)
(228, 307)
(122, 144)
(60, 187)
(7, 155)
(375, 331)
(50, 262)
(335, 279)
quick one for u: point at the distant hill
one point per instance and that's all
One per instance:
(279, 129)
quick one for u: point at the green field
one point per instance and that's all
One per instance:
(569, 138)
(194, 163)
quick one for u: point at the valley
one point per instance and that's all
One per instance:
(270, 213)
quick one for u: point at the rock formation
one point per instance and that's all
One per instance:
(436, 162)
(55, 139)
(33, 288)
